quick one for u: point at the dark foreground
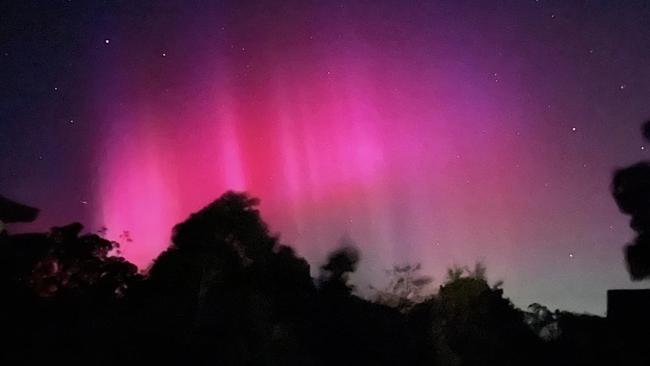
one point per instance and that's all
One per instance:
(227, 292)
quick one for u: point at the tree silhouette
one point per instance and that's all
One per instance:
(334, 277)
(67, 293)
(475, 325)
(226, 291)
(236, 294)
(351, 330)
(405, 289)
(631, 190)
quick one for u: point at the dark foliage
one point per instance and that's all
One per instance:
(631, 190)
(227, 292)
(64, 295)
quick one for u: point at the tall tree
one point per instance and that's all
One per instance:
(631, 190)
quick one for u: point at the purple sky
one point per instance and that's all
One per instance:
(432, 132)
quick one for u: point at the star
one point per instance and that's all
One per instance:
(573, 129)
(571, 255)
(622, 86)
(642, 147)
(107, 41)
(164, 54)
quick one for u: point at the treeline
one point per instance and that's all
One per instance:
(227, 292)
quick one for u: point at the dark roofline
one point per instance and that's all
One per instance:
(11, 211)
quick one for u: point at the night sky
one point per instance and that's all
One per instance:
(424, 131)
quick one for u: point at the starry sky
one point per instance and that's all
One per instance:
(439, 132)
